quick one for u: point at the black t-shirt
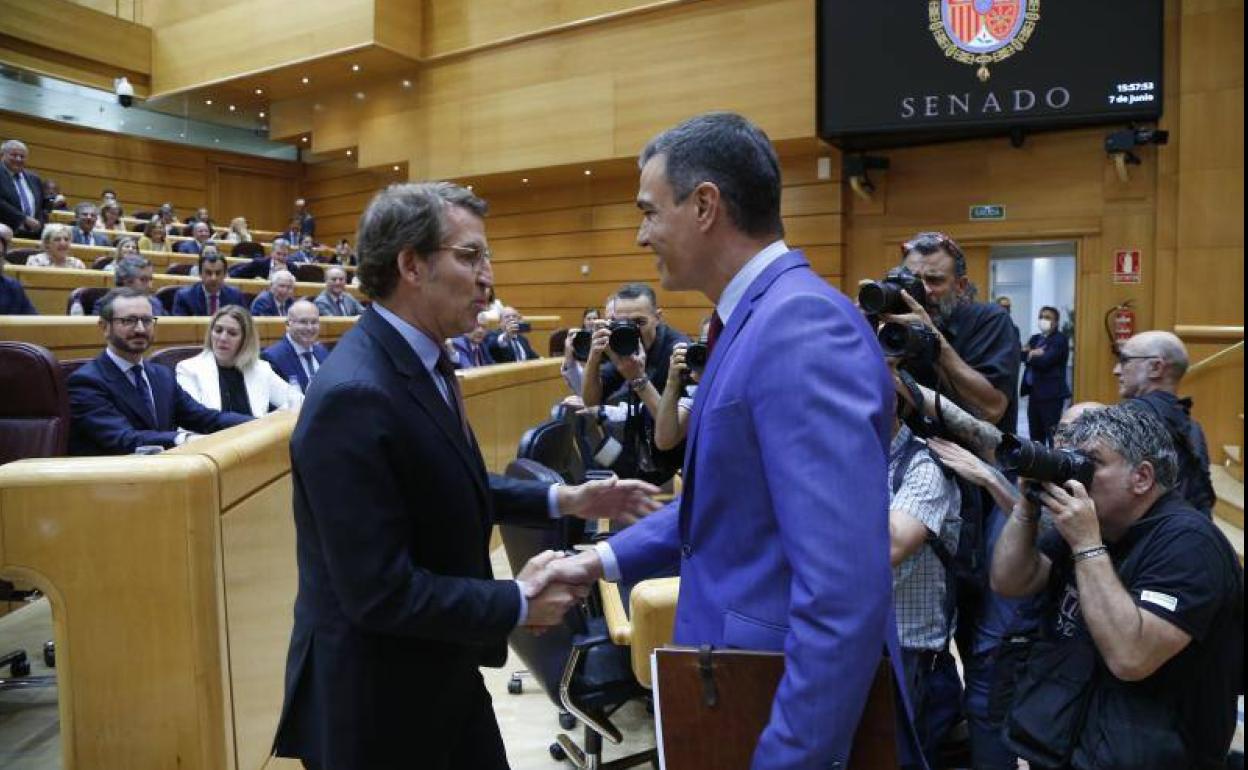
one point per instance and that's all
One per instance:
(658, 357)
(983, 336)
(1189, 441)
(1176, 564)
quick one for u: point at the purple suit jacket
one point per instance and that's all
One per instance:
(781, 534)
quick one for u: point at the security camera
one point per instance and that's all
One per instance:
(124, 91)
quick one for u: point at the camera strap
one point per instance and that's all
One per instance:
(922, 425)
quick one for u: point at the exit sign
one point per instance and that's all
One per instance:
(987, 212)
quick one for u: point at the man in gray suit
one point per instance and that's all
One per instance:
(335, 300)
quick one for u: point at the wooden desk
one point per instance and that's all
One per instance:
(70, 337)
(172, 580)
(66, 217)
(159, 259)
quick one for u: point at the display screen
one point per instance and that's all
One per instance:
(899, 72)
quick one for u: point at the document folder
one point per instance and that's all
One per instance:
(711, 707)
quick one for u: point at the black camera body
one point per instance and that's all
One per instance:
(625, 337)
(696, 355)
(580, 340)
(913, 343)
(885, 296)
(1037, 462)
(524, 327)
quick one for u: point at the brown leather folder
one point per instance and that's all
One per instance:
(712, 706)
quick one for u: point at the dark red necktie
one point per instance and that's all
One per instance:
(712, 331)
(212, 304)
(456, 400)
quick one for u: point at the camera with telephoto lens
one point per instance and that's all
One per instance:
(911, 342)
(625, 337)
(1037, 462)
(885, 296)
(580, 340)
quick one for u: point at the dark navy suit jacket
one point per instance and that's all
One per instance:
(503, 354)
(396, 607)
(256, 268)
(109, 417)
(192, 300)
(781, 533)
(11, 203)
(13, 299)
(285, 361)
(265, 304)
(1045, 375)
(189, 247)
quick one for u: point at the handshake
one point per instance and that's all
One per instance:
(554, 582)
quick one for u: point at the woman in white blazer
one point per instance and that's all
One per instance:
(229, 374)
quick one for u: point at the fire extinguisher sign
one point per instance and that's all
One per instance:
(1127, 266)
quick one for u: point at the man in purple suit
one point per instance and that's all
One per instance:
(781, 534)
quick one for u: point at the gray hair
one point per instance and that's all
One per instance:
(1136, 435)
(1166, 346)
(405, 216)
(334, 269)
(105, 306)
(84, 207)
(732, 153)
(278, 274)
(128, 268)
(280, 243)
(13, 144)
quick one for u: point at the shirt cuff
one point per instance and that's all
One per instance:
(610, 566)
(524, 605)
(552, 501)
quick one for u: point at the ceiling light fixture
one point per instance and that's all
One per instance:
(348, 153)
(359, 95)
(262, 114)
(588, 172)
(407, 84)
(396, 168)
(304, 139)
(306, 80)
(208, 102)
(525, 180)
(355, 68)
(232, 108)
(259, 92)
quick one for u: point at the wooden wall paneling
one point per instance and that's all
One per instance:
(34, 31)
(266, 199)
(453, 26)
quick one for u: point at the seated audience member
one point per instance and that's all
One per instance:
(57, 249)
(343, 254)
(13, 299)
(155, 237)
(210, 294)
(52, 198)
(263, 267)
(508, 344)
(166, 215)
(923, 524)
(229, 375)
(124, 247)
(1150, 369)
(276, 299)
(83, 232)
(110, 217)
(201, 233)
(238, 232)
(108, 195)
(1044, 378)
(307, 222)
(1140, 656)
(335, 300)
(294, 232)
(470, 349)
(306, 253)
(132, 271)
(118, 403)
(201, 215)
(298, 354)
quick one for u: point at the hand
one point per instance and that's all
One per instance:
(1074, 514)
(574, 402)
(599, 342)
(548, 607)
(582, 569)
(32, 224)
(630, 367)
(961, 461)
(676, 364)
(1034, 352)
(511, 326)
(533, 577)
(619, 500)
(917, 313)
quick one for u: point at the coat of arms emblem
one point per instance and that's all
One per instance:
(982, 32)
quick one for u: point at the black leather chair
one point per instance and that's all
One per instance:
(166, 295)
(182, 268)
(309, 273)
(169, 357)
(87, 296)
(19, 256)
(249, 249)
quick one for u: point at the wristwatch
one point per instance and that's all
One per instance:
(638, 384)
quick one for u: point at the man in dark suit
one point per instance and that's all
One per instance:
(397, 606)
(83, 232)
(277, 299)
(1044, 377)
(21, 192)
(13, 299)
(307, 222)
(202, 233)
(471, 350)
(298, 354)
(118, 403)
(265, 267)
(781, 533)
(211, 294)
(508, 344)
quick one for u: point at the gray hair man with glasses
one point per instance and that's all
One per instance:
(118, 402)
(509, 343)
(1149, 371)
(298, 356)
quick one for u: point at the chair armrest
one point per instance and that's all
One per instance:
(618, 624)
(652, 611)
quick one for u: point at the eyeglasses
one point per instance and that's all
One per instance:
(131, 321)
(1124, 359)
(470, 256)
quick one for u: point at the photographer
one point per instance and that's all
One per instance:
(1141, 649)
(575, 352)
(609, 380)
(671, 418)
(977, 365)
(509, 343)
